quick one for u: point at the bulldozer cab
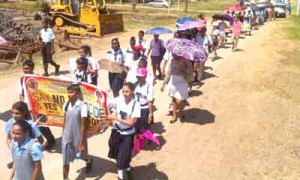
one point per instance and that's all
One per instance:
(67, 7)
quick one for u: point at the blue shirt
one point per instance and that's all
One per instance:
(8, 127)
(36, 149)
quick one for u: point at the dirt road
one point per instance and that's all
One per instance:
(242, 123)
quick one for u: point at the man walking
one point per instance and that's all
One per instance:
(47, 37)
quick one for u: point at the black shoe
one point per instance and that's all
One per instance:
(89, 165)
(45, 74)
(57, 69)
(50, 144)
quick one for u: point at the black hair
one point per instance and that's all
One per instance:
(132, 39)
(200, 15)
(142, 32)
(23, 108)
(87, 49)
(29, 63)
(25, 126)
(115, 40)
(74, 87)
(143, 61)
(130, 85)
(82, 60)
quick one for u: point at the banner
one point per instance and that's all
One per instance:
(46, 97)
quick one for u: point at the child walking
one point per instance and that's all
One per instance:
(28, 68)
(144, 95)
(127, 111)
(74, 138)
(26, 153)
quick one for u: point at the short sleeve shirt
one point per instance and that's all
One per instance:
(133, 67)
(84, 110)
(47, 35)
(82, 76)
(144, 94)
(155, 47)
(125, 111)
(35, 153)
(9, 124)
(116, 56)
(236, 28)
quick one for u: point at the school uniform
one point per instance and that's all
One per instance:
(143, 94)
(9, 124)
(132, 70)
(93, 65)
(71, 133)
(143, 43)
(82, 76)
(121, 139)
(128, 54)
(116, 80)
(24, 157)
(47, 37)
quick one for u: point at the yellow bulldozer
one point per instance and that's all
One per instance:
(85, 17)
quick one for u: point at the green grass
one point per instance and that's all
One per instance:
(293, 27)
(30, 6)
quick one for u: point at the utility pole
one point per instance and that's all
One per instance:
(186, 6)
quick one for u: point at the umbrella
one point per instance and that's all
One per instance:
(253, 7)
(190, 25)
(236, 8)
(183, 20)
(187, 49)
(225, 17)
(159, 30)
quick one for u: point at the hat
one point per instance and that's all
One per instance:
(142, 72)
(137, 47)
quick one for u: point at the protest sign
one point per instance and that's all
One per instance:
(46, 97)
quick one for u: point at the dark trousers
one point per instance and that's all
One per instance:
(47, 56)
(46, 132)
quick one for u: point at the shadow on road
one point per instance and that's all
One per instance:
(198, 116)
(158, 127)
(147, 172)
(149, 146)
(208, 75)
(100, 168)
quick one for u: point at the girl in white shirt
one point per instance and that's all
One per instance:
(125, 114)
(81, 74)
(144, 95)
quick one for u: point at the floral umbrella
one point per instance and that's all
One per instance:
(187, 49)
(191, 25)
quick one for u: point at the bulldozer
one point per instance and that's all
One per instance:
(85, 17)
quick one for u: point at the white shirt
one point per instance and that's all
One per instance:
(143, 43)
(47, 35)
(132, 70)
(144, 94)
(93, 65)
(125, 111)
(116, 56)
(84, 109)
(128, 53)
(82, 76)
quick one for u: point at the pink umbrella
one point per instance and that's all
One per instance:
(191, 25)
(142, 138)
(236, 8)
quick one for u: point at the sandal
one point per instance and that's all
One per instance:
(173, 121)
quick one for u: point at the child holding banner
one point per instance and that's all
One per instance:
(127, 111)
(92, 66)
(74, 138)
(28, 68)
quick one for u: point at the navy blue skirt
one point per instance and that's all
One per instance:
(142, 122)
(120, 148)
(116, 81)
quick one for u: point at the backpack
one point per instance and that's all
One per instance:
(162, 50)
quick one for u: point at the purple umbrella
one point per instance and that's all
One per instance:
(187, 49)
(190, 25)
